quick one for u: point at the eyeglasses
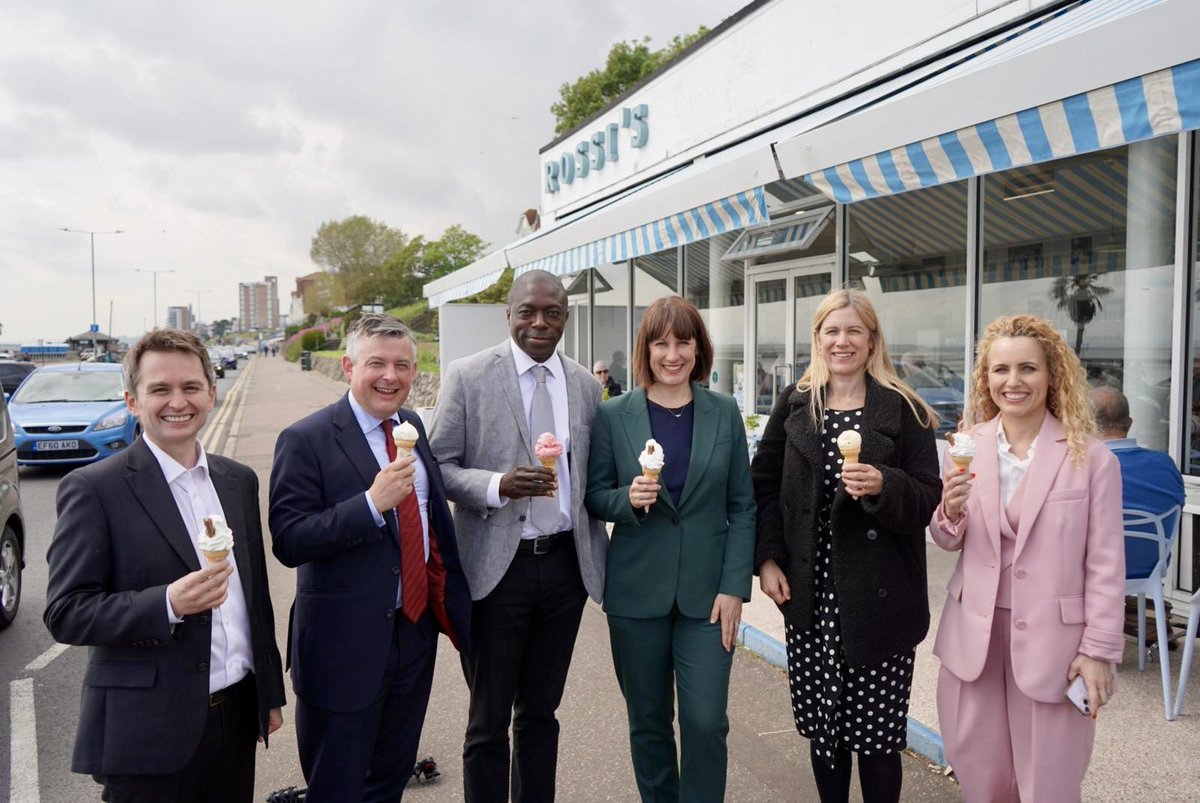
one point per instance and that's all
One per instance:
(601, 372)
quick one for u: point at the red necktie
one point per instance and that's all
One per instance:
(415, 586)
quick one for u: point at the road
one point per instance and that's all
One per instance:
(768, 760)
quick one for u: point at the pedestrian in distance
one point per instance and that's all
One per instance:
(358, 509)
(680, 563)
(184, 675)
(609, 387)
(512, 435)
(1036, 599)
(846, 479)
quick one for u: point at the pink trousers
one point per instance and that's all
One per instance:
(1005, 746)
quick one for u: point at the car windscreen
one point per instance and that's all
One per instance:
(76, 386)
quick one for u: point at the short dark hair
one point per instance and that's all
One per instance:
(676, 316)
(177, 340)
(1112, 410)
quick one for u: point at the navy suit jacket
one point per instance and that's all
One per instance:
(118, 544)
(347, 568)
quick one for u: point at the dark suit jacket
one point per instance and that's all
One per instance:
(118, 544)
(347, 568)
(681, 554)
(878, 542)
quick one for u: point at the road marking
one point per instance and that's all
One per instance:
(776, 733)
(212, 433)
(43, 660)
(23, 753)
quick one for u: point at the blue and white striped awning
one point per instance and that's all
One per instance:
(1153, 105)
(698, 223)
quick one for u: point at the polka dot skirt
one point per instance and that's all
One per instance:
(864, 709)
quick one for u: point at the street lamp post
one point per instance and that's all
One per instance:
(198, 293)
(92, 236)
(155, 273)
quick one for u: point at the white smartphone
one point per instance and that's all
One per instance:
(1077, 694)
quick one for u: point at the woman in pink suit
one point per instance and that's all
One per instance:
(1037, 597)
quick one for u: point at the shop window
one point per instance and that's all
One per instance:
(654, 277)
(1089, 243)
(718, 289)
(909, 253)
(1191, 456)
(575, 333)
(610, 319)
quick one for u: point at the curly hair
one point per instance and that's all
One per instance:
(1067, 396)
(879, 363)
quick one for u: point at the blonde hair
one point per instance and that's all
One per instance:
(879, 363)
(1067, 396)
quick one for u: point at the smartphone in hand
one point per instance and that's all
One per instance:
(1078, 696)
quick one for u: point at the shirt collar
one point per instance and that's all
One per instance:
(366, 421)
(1121, 443)
(172, 469)
(1005, 447)
(524, 362)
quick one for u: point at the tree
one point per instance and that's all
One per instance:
(324, 297)
(456, 248)
(1080, 297)
(627, 64)
(362, 253)
(221, 327)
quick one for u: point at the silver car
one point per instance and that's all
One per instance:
(12, 525)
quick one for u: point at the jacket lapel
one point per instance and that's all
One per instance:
(986, 466)
(636, 423)
(704, 435)
(149, 486)
(229, 492)
(353, 442)
(505, 376)
(1048, 458)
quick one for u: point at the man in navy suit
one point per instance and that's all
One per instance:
(363, 632)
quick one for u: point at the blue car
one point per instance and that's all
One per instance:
(71, 413)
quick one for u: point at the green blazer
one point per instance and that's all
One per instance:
(681, 554)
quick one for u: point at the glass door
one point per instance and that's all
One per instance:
(780, 346)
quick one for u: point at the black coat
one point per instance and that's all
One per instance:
(878, 556)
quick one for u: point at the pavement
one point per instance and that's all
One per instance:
(1137, 755)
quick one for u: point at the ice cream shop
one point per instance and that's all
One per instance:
(956, 160)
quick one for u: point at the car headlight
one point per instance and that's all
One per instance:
(113, 421)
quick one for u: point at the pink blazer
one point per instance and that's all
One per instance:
(1068, 565)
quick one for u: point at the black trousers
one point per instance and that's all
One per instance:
(369, 755)
(522, 638)
(222, 769)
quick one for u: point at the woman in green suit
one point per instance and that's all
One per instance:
(680, 560)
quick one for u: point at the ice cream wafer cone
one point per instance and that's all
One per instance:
(961, 463)
(549, 462)
(215, 556)
(653, 477)
(850, 457)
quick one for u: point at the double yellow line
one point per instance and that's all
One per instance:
(225, 422)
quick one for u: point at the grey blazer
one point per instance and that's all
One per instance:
(480, 428)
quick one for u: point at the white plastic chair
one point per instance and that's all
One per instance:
(1152, 586)
(1189, 646)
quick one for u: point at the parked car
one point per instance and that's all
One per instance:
(12, 372)
(940, 387)
(12, 523)
(228, 358)
(72, 413)
(218, 364)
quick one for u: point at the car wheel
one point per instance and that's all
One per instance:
(10, 577)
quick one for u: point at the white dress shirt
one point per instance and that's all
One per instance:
(1012, 468)
(376, 438)
(556, 384)
(231, 652)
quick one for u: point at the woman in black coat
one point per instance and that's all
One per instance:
(841, 545)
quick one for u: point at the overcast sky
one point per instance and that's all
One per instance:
(220, 135)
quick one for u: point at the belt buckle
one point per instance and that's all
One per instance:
(541, 545)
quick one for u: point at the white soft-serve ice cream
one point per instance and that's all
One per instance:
(962, 450)
(217, 539)
(405, 437)
(849, 444)
(652, 457)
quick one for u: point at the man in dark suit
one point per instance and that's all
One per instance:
(531, 553)
(184, 674)
(370, 533)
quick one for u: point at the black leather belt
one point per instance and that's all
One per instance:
(229, 692)
(544, 544)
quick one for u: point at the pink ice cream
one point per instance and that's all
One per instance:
(547, 449)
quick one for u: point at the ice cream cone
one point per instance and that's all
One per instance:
(653, 477)
(216, 557)
(961, 463)
(404, 448)
(549, 462)
(850, 456)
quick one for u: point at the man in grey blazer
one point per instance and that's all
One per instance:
(530, 552)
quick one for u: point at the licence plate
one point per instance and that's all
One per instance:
(55, 446)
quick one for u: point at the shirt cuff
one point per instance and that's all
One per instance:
(171, 617)
(493, 492)
(375, 514)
